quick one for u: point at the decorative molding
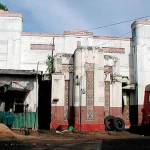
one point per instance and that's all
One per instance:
(108, 69)
(112, 38)
(127, 109)
(42, 47)
(145, 22)
(8, 14)
(107, 97)
(113, 50)
(107, 57)
(90, 94)
(66, 101)
(89, 66)
(41, 34)
(99, 50)
(78, 32)
(67, 68)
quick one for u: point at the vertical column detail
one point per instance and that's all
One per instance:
(107, 97)
(66, 101)
(90, 94)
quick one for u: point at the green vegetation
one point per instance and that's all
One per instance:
(50, 64)
(3, 7)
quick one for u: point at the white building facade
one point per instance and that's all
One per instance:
(94, 77)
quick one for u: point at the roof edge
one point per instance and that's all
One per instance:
(9, 14)
(145, 22)
(40, 34)
(112, 38)
(19, 72)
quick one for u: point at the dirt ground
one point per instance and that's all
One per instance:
(128, 139)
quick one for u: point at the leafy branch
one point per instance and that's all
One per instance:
(3, 7)
(50, 64)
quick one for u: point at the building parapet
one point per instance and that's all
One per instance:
(9, 14)
(19, 72)
(144, 22)
(41, 34)
(112, 38)
(78, 32)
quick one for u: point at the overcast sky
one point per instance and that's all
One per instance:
(57, 16)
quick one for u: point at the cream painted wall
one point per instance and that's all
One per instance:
(58, 88)
(10, 42)
(116, 95)
(83, 56)
(141, 37)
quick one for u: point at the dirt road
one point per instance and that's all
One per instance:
(50, 140)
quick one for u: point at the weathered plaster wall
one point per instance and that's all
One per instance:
(64, 43)
(31, 96)
(10, 40)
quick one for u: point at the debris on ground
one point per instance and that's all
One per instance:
(64, 134)
(5, 131)
(60, 130)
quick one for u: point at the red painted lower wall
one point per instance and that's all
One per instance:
(122, 113)
(90, 127)
(82, 127)
(133, 116)
(79, 122)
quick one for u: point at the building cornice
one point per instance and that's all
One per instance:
(144, 22)
(112, 38)
(41, 34)
(19, 72)
(9, 14)
(78, 32)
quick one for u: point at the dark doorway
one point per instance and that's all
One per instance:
(44, 109)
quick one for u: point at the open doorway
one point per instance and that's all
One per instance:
(44, 108)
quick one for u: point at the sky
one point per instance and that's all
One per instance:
(57, 16)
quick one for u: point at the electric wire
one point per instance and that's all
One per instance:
(115, 38)
(113, 24)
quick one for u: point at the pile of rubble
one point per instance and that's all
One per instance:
(6, 132)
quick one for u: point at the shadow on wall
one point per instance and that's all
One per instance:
(44, 109)
(71, 118)
(146, 107)
(129, 112)
(144, 114)
(133, 115)
(133, 109)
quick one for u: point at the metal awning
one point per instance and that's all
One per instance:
(20, 86)
(13, 86)
(5, 86)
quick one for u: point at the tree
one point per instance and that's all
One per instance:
(3, 7)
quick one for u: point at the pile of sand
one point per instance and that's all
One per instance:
(6, 132)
